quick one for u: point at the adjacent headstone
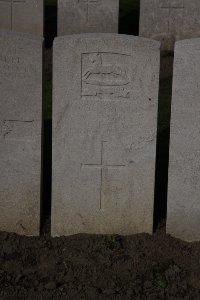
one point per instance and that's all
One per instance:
(87, 16)
(169, 20)
(22, 15)
(104, 133)
(183, 217)
(20, 132)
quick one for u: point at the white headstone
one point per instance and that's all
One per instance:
(105, 100)
(183, 217)
(22, 15)
(87, 16)
(169, 20)
(20, 132)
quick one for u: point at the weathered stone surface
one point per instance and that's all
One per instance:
(22, 15)
(104, 133)
(20, 132)
(183, 218)
(169, 20)
(87, 16)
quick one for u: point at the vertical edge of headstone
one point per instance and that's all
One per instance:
(182, 224)
(39, 41)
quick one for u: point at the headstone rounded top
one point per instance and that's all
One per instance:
(187, 42)
(108, 36)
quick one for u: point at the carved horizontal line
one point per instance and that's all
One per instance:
(172, 7)
(20, 121)
(96, 98)
(102, 166)
(88, 1)
(117, 53)
(13, 1)
(19, 140)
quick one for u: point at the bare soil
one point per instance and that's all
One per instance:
(99, 267)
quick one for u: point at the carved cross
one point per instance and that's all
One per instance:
(12, 2)
(170, 6)
(102, 166)
(88, 3)
(177, 4)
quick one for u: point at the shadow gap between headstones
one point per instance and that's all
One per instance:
(50, 34)
(129, 12)
(163, 140)
(47, 145)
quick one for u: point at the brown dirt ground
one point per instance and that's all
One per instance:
(99, 268)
